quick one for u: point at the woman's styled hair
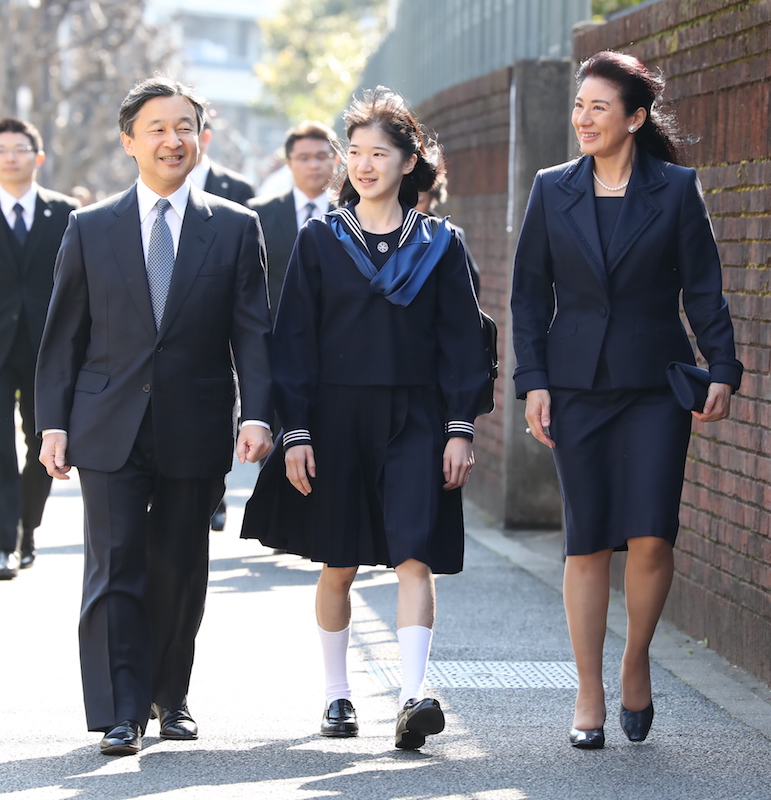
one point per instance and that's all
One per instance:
(639, 88)
(384, 109)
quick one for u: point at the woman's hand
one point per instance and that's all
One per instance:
(457, 462)
(300, 467)
(538, 415)
(718, 403)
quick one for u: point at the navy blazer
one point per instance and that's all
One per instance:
(101, 360)
(569, 303)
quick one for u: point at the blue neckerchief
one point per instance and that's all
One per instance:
(403, 275)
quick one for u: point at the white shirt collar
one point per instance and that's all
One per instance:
(301, 200)
(27, 200)
(200, 172)
(147, 198)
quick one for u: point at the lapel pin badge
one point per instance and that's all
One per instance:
(47, 212)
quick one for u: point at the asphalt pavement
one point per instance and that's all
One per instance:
(501, 668)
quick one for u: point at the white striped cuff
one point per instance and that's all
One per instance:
(459, 428)
(297, 436)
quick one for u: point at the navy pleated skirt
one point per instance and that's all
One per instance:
(620, 458)
(377, 497)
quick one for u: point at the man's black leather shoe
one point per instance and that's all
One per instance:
(218, 517)
(176, 723)
(9, 566)
(27, 549)
(124, 739)
(339, 720)
(416, 720)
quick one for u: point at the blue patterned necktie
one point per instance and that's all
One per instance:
(19, 226)
(160, 261)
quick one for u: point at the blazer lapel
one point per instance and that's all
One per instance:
(126, 239)
(194, 243)
(581, 216)
(638, 209)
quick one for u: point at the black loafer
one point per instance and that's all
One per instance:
(176, 723)
(416, 720)
(339, 720)
(588, 739)
(636, 724)
(125, 739)
(9, 566)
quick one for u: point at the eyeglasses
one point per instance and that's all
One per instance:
(18, 150)
(304, 158)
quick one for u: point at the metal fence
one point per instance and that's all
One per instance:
(440, 43)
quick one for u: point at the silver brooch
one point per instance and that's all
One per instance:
(382, 247)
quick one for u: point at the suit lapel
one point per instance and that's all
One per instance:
(638, 209)
(126, 239)
(288, 220)
(581, 216)
(194, 243)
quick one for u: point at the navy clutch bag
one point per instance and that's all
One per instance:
(689, 384)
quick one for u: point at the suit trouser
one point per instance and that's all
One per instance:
(146, 571)
(22, 497)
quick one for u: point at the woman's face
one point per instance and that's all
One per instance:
(600, 121)
(375, 165)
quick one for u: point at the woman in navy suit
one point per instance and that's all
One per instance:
(379, 364)
(609, 244)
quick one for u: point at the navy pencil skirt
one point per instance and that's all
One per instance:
(620, 458)
(377, 497)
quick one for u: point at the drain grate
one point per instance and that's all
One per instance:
(484, 674)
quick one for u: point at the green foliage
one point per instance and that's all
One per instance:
(601, 8)
(314, 52)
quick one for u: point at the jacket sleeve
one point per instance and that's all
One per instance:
(463, 368)
(295, 339)
(251, 328)
(701, 275)
(65, 336)
(532, 296)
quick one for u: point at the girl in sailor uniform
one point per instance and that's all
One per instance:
(379, 366)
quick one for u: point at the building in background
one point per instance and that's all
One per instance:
(218, 44)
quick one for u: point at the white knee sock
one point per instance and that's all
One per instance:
(334, 648)
(415, 645)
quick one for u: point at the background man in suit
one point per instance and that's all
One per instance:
(223, 182)
(216, 179)
(154, 288)
(310, 154)
(32, 222)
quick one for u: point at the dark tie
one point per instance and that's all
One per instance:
(19, 227)
(160, 261)
(311, 211)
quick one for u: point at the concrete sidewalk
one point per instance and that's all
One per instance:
(501, 667)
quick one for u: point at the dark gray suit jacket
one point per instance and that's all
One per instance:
(101, 359)
(229, 184)
(27, 273)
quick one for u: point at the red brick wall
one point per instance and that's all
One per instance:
(716, 56)
(472, 120)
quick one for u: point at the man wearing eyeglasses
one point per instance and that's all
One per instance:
(311, 157)
(32, 224)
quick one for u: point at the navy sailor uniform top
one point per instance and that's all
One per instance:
(334, 326)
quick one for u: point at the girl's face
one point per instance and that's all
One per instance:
(600, 121)
(376, 166)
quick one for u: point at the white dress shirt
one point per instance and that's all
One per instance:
(27, 201)
(301, 200)
(200, 172)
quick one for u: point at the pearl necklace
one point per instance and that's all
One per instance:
(610, 188)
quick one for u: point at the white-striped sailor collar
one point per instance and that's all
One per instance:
(411, 219)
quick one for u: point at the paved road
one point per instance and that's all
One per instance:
(499, 656)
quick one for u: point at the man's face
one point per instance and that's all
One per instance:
(164, 142)
(312, 163)
(18, 162)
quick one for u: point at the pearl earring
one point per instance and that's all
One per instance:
(632, 128)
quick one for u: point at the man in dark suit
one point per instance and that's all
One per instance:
(216, 179)
(311, 157)
(32, 222)
(154, 289)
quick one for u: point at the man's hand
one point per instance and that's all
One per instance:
(300, 467)
(457, 462)
(53, 456)
(254, 443)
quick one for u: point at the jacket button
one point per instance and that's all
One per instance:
(603, 311)
(146, 387)
(159, 348)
